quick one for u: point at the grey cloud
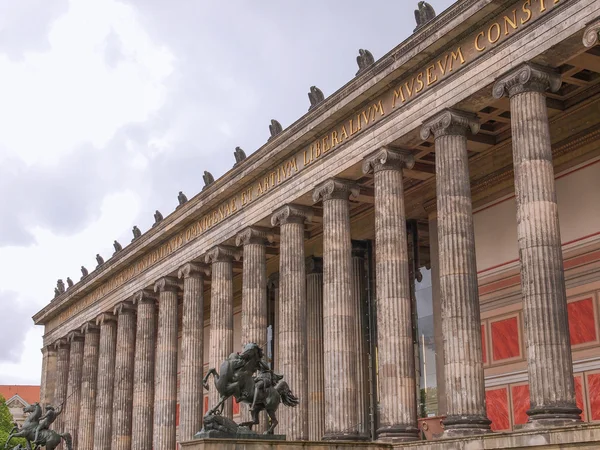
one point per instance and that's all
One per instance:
(13, 326)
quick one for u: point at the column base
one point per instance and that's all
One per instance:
(461, 426)
(397, 433)
(553, 416)
(342, 436)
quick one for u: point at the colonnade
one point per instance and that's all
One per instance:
(118, 375)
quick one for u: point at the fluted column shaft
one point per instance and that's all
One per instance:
(62, 379)
(48, 384)
(458, 275)
(397, 390)
(124, 367)
(550, 363)
(106, 378)
(165, 376)
(143, 375)
(89, 377)
(191, 393)
(273, 286)
(221, 315)
(314, 329)
(339, 322)
(254, 295)
(292, 358)
(74, 385)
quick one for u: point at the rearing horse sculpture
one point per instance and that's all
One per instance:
(46, 438)
(266, 391)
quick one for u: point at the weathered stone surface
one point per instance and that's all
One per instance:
(191, 393)
(124, 367)
(339, 323)
(89, 378)
(62, 378)
(458, 275)
(106, 378)
(273, 290)
(165, 375)
(314, 331)
(254, 296)
(549, 358)
(397, 407)
(292, 357)
(143, 374)
(74, 385)
(221, 314)
(48, 381)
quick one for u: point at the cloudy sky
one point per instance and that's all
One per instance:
(109, 108)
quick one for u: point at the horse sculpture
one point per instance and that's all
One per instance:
(265, 391)
(46, 438)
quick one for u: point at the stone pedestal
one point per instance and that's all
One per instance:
(254, 297)
(549, 358)
(106, 378)
(123, 390)
(143, 373)
(221, 315)
(339, 322)
(292, 357)
(62, 378)
(165, 375)
(74, 385)
(461, 321)
(191, 393)
(89, 377)
(397, 390)
(314, 331)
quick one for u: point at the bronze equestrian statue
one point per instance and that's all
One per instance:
(36, 429)
(264, 391)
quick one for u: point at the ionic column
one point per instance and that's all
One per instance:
(191, 393)
(550, 364)
(48, 384)
(75, 338)
(106, 378)
(62, 379)
(89, 377)
(123, 390)
(221, 314)
(165, 376)
(397, 390)
(254, 294)
(143, 372)
(339, 322)
(314, 330)
(273, 288)
(458, 275)
(292, 357)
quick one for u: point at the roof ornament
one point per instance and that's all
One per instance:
(208, 179)
(181, 198)
(424, 14)
(136, 233)
(365, 60)
(275, 128)
(118, 247)
(99, 260)
(158, 217)
(60, 285)
(240, 155)
(56, 292)
(315, 96)
(69, 282)
(84, 272)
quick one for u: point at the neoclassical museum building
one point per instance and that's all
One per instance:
(419, 255)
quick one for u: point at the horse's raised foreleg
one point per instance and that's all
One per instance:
(273, 420)
(10, 436)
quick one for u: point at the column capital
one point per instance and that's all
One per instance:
(388, 159)
(591, 35)
(167, 284)
(254, 235)
(126, 307)
(335, 188)
(75, 335)
(144, 296)
(48, 349)
(273, 281)
(90, 327)
(527, 77)
(314, 264)
(222, 253)
(193, 270)
(60, 343)
(105, 318)
(291, 214)
(450, 122)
